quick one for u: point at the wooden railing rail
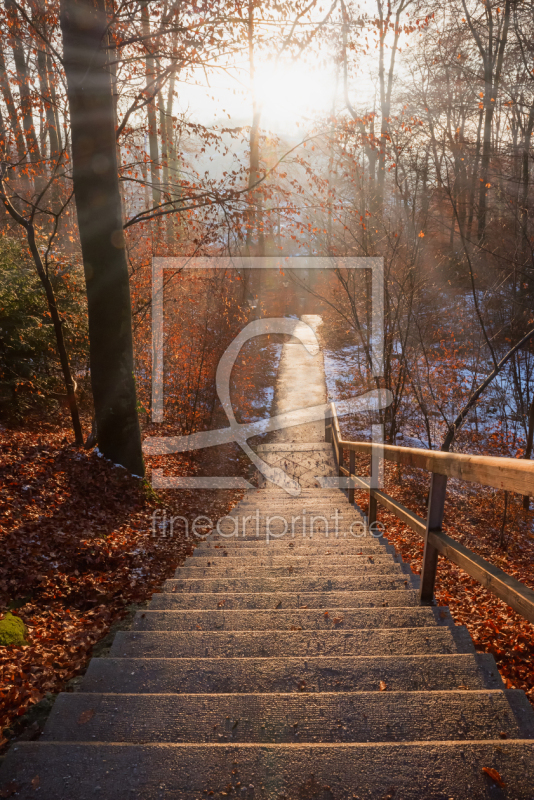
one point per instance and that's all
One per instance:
(500, 473)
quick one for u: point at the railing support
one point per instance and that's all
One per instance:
(373, 508)
(352, 467)
(340, 459)
(374, 473)
(436, 504)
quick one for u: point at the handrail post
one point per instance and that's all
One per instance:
(327, 428)
(436, 505)
(352, 467)
(340, 458)
(373, 508)
(374, 473)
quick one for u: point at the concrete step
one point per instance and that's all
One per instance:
(251, 568)
(230, 559)
(301, 584)
(285, 600)
(312, 500)
(302, 514)
(319, 539)
(277, 643)
(308, 674)
(292, 718)
(252, 495)
(297, 508)
(304, 548)
(411, 771)
(282, 619)
(303, 520)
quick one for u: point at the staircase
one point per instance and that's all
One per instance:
(298, 668)
(286, 666)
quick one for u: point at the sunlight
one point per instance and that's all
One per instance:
(291, 92)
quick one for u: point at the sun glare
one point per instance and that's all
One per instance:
(291, 93)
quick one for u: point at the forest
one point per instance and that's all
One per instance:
(134, 130)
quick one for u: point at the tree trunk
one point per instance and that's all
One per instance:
(24, 89)
(254, 220)
(11, 108)
(386, 86)
(53, 98)
(47, 101)
(151, 111)
(492, 78)
(474, 175)
(98, 202)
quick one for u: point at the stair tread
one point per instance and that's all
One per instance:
(288, 599)
(308, 583)
(280, 619)
(224, 644)
(321, 673)
(258, 571)
(330, 717)
(71, 771)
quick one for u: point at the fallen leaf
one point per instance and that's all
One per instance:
(383, 686)
(85, 716)
(35, 782)
(494, 775)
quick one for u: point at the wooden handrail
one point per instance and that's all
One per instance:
(516, 475)
(501, 473)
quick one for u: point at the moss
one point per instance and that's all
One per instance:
(12, 630)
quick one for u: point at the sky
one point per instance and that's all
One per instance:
(291, 96)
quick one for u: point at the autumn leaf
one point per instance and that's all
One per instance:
(35, 782)
(494, 775)
(85, 716)
(383, 686)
